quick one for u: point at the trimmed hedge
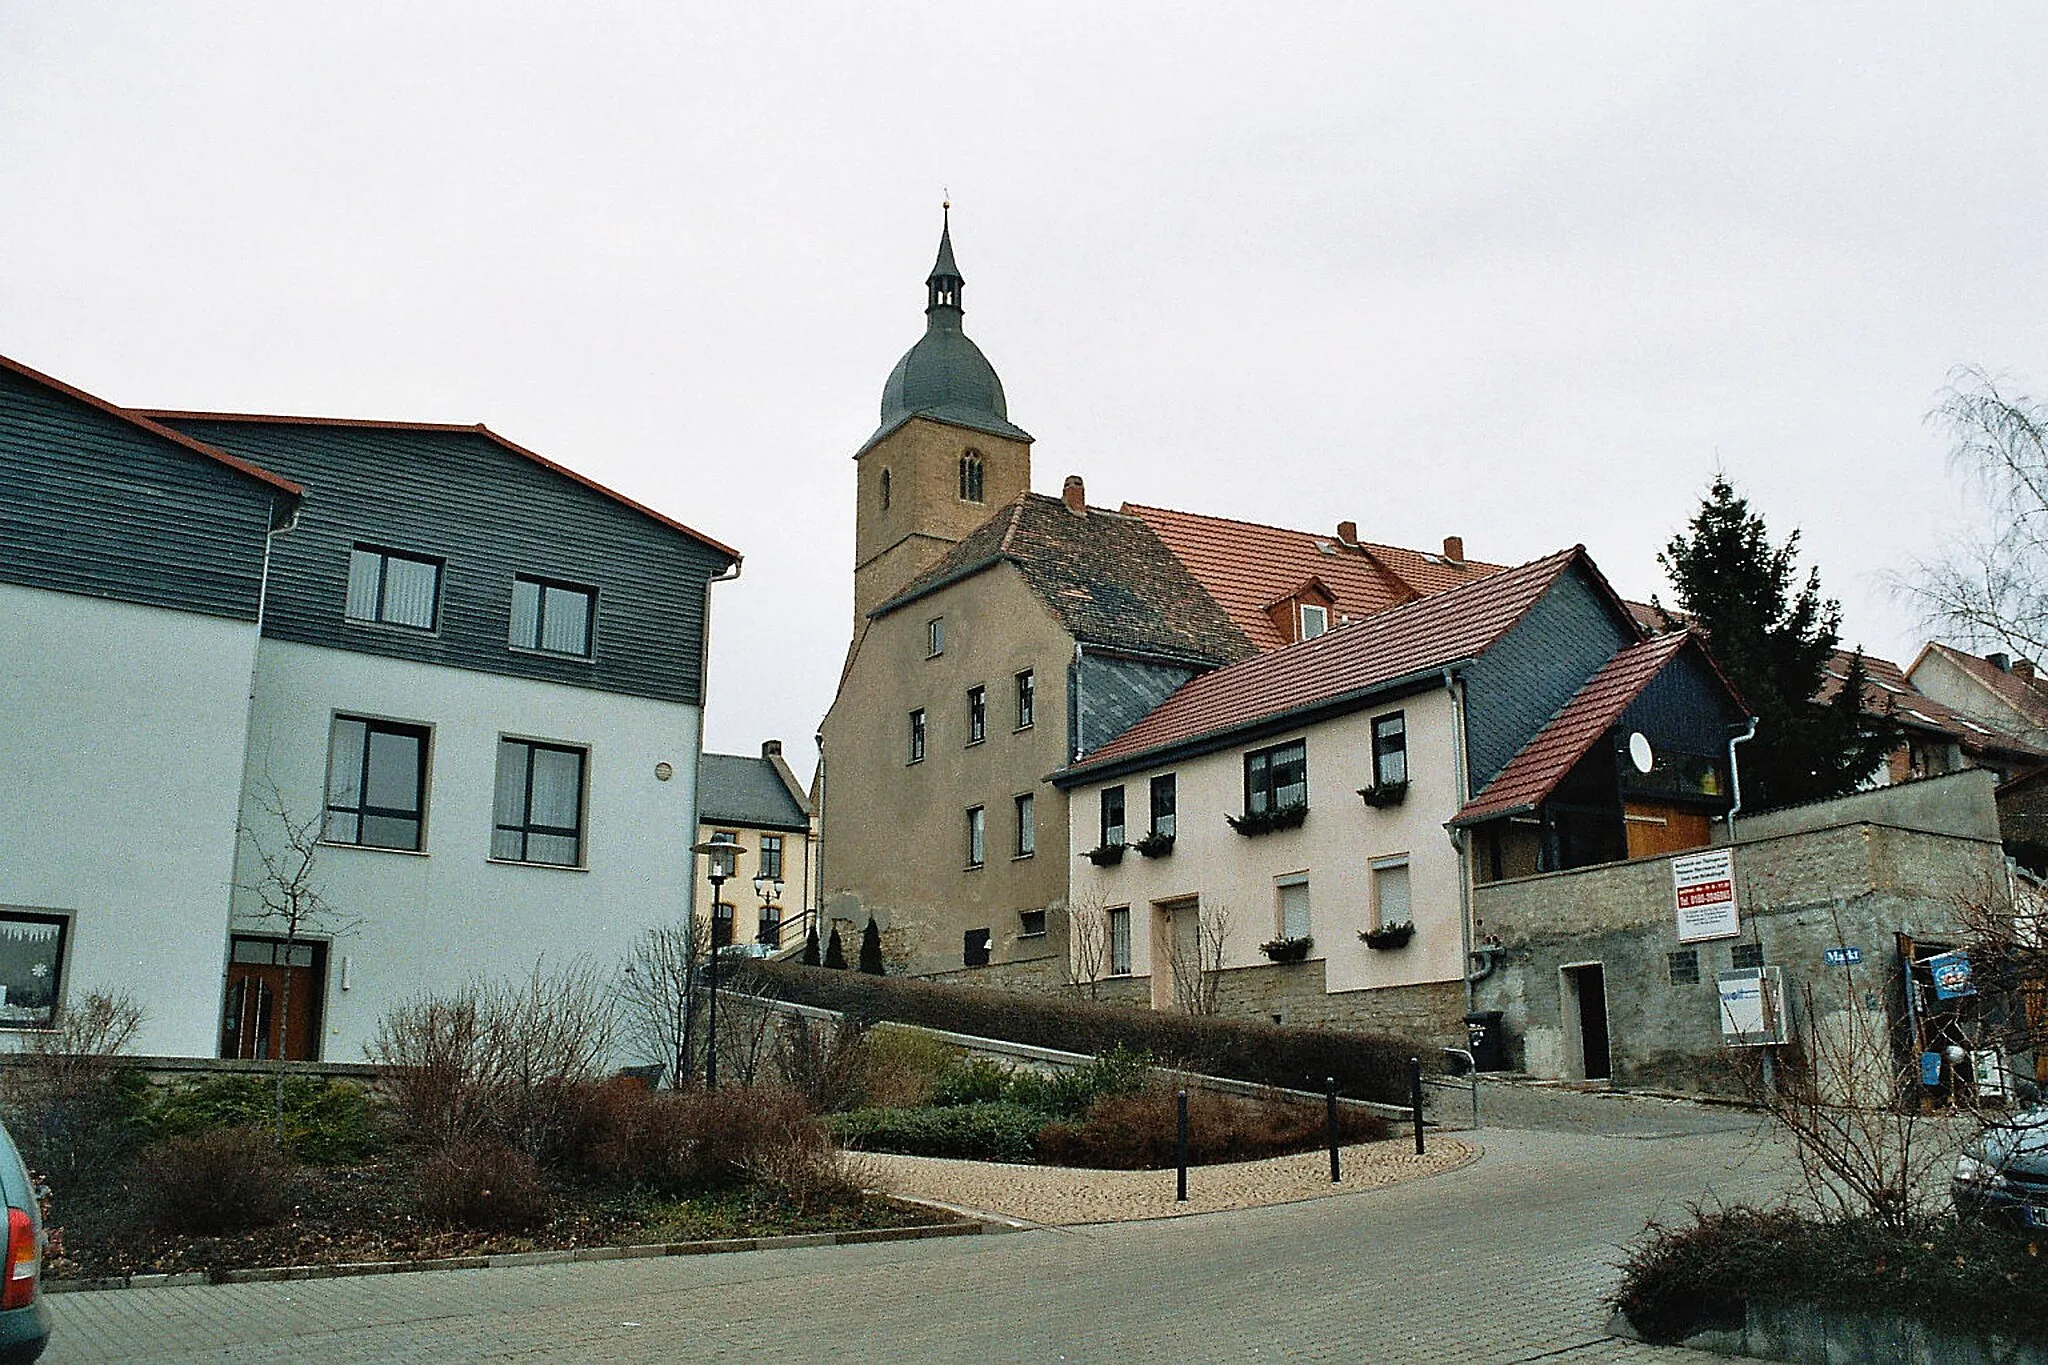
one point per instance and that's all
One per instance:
(1365, 1065)
(977, 1132)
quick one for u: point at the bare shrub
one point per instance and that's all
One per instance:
(1196, 959)
(499, 1061)
(1141, 1131)
(1087, 924)
(218, 1181)
(827, 1064)
(72, 1099)
(688, 1141)
(484, 1186)
(663, 998)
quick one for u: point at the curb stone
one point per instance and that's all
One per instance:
(352, 1269)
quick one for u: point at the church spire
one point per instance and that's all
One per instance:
(942, 286)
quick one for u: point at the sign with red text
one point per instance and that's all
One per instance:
(1704, 887)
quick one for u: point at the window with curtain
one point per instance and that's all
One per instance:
(1027, 701)
(393, 589)
(376, 784)
(977, 836)
(1120, 941)
(539, 806)
(1027, 826)
(1165, 796)
(553, 617)
(1112, 816)
(1390, 749)
(1390, 891)
(1276, 778)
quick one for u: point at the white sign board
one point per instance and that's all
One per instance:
(1704, 886)
(1752, 1007)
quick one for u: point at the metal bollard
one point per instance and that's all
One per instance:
(1181, 1101)
(1415, 1098)
(1330, 1095)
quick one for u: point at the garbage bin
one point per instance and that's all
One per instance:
(1484, 1040)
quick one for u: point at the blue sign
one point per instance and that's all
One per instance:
(1951, 975)
(1843, 957)
(1930, 1068)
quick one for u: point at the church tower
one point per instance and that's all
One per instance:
(945, 456)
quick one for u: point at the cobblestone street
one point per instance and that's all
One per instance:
(1503, 1259)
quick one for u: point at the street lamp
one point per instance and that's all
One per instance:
(724, 856)
(768, 890)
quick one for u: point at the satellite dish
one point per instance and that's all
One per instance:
(1640, 753)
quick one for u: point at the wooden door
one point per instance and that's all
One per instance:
(263, 1017)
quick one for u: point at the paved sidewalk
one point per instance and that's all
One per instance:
(1062, 1196)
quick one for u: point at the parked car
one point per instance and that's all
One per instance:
(24, 1318)
(2003, 1171)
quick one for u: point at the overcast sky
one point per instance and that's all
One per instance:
(1523, 277)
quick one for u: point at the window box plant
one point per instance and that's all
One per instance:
(1107, 855)
(1388, 937)
(1383, 794)
(1155, 845)
(1288, 949)
(1268, 821)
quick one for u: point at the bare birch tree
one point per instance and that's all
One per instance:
(1197, 958)
(663, 996)
(1087, 945)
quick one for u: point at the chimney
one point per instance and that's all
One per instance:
(2023, 668)
(1074, 494)
(1454, 549)
(771, 748)
(1347, 533)
(2001, 662)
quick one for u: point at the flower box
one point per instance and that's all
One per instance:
(1388, 937)
(1155, 845)
(1383, 794)
(1268, 821)
(1107, 855)
(1288, 949)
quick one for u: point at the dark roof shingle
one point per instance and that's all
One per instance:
(733, 789)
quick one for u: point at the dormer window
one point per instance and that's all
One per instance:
(1314, 621)
(970, 477)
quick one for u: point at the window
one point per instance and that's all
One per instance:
(31, 963)
(977, 836)
(935, 637)
(1026, 699)
(1112, 816)
(769, 928)
(1164, 794)
(1314, 621)
(1685, 967)
(721, 925)
(917, 735)
(1390, 750)
(539, 804)
(1276, 778)
(771, 857)
(1745, 955)
(1031, 924)
(376, 784)
(977, 714)
(885, 490)
(970, 476)
(391, 588)
(1027, 826)
(553, 617)
(974, 948)
(1294, 908)
(1120, 941)
(1390, 891)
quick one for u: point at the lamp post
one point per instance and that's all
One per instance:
(768, 890)
(724, 855)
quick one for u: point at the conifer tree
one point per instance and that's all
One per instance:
(835, 952)
(871, 949)
(1775, 635)
(811, 947)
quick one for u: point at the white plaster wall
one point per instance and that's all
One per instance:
(122, 730)
(432, 920)
(1334, 846)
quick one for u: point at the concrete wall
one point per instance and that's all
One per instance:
(895, 832)
(430, 920)
(121, 760)
(1847, 884)
(1963, 804)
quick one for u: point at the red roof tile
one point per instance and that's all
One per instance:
(1532, 774)
(1889, 689)
(2027, 697)
(1437, 631)
(1247, 568)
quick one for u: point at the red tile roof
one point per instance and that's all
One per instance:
(152, 416)
(1248, 568)
(2025, 696)
(1401, 642)
(142, 420)
(1533, 773)
(1889, 689)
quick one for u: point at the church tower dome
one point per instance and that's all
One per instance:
(945, 376)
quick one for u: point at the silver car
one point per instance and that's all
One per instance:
(2004, 1170)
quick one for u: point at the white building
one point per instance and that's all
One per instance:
(475, 675)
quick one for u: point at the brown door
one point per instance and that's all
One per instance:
(273, 1000)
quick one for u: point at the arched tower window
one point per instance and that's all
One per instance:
(885, 490)
(970, 477)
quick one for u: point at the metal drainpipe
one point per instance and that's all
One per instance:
(1455, 685)
(1079, 725)
(1735, 774)
(703, 701)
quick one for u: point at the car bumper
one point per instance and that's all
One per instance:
(24, 1332)
(2026, 1207)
